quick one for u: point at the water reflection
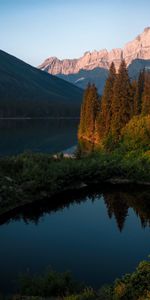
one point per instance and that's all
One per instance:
(117, 201)
(17, 136)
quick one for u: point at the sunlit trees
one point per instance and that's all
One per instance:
(146, 95)
(106, 103)
(89, 111)
(102, 121)
(122, 102)
(83, 122)
(137, 101)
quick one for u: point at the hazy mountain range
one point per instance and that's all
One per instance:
(26, 91)
(93, 66)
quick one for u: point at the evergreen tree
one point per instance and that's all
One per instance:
(134, 84)
(89, 110)
(122, 103)
(106, 103)
(146, 95)
(82, 125)
(138, 93)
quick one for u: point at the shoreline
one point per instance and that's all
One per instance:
(29, 177)
(40, 118)
(112, 182)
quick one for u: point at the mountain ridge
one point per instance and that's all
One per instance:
(139, 48)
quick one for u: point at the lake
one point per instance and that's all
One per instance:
(43, 135)
(97, 234)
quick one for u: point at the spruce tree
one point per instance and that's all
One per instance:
(88, 114)
(91, 112)
(134, 84)
(122, 103)
(146, 95)
(82, 125)
(106, 103)
(138, 93)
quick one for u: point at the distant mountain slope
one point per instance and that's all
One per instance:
(83, 77)
(138, 65)
(99, 75)
(28, 92)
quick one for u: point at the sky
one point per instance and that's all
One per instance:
(34, 30)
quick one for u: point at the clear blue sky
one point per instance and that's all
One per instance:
(36, 29)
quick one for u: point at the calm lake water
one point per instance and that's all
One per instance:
(49, 136)
(97, 235)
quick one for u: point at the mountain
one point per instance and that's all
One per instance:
(99, 75)
(94, 65)
(83, 77)
(136, 66)
(26, 91)
(139, 48)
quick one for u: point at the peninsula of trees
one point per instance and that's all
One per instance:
(121, 115)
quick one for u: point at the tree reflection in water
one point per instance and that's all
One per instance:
(117, 200)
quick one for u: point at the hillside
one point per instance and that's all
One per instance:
(28, 92)
(98, 76)
(81, 79)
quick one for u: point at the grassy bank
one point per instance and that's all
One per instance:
(29, 177)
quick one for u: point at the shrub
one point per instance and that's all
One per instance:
(136, 134)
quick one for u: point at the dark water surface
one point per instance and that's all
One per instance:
(45, 135)
(98, 235)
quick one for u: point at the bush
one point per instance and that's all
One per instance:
(136, 134)
(50, 284)
(134, 286)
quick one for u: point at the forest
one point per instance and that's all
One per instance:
(120, 118)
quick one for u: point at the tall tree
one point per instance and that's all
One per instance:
(146, 95)
(138, 93)
(106, 103)
(91, 112)
(82, 125)
(122, 103)
(88, 113)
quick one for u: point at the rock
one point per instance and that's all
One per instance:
(8, 179)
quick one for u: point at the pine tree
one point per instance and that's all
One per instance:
(146, 95)
(138, 93)
(122, 103)
(89, 110)
(82, 125)
(106, 103)
(97, 122)
(134, 84)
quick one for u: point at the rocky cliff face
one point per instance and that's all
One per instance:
(138, 48)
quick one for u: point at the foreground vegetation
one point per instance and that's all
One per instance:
(29, 177)
(134, 286)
